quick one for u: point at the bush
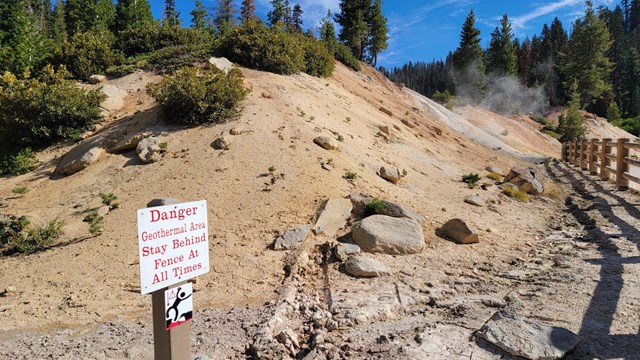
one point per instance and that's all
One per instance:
(344, 55)
(471, 179)
(375, 206)
(173, 58)
(110, 200)
(19, 236)
(350, 175)
(195, 96)
(87, 54)
(21, 190)
(20, 163)
(95, 222)
(37, 112)
(152, 36)
(630, 125)
(318, 60)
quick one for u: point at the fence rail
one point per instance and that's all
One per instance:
(599, 158)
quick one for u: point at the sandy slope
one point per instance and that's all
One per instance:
(92, 280)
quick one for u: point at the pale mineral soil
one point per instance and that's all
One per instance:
(81, 298)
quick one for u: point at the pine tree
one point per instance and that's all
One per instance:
(200, 18)
(353, 20)
(296, 19)
(467, 61)
(132, 14)
(21, 43)
(501, 56)
(171, 16)
(571, 124)
(634, 15)
(105, 16)
(248, 10)
(525, 60)
(378, 37)
(58, 25)
(278, 13)
(587, 64)
(224, 15)
(328, 32)
(79, 16)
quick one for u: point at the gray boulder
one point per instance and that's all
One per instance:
(149, 150)
(389, 235)
(495, 169)
(458, 231)
(390, 174)
(115, 98)
(326, 142)
(476, 200)
(362, 266)
(344, 250)
(128, 142)
(333, 217)
(292, 238)
(221, 143)
(526, 180)
(79, 159)
(531, 340)
(220, 63)
(388, 208)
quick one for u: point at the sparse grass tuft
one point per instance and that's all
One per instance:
(340, 138)
(374, 206)
(163, 146)
(20, 237)
(109, 200)
(350, 175)
(471, 179)
(20, 190)
(552, 191)
(95, 222)
(271, 169)
(516, 194)
(495, 177)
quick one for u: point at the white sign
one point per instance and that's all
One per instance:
(173, 244)
(178, 306)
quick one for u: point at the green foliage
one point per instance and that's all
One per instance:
(353, 26)
(151, 36)
(37, 112)
(22, 44)
(318, 60)
(375, 206)
(110, 200)
(445, 98)
(630, 125)
(95, 222)
(20, 190)
(377, 37)
(571, 124)
(20, 163)
(271, 169)
(88, 54)
(173, 58)
(344, 55)
(340, 138)
(132, 14)
(471, 180)
(200, 18)
(350, 175)
(516, 194)
(468, 60)
(495, 177)
(501, 55)
(195, 96)
(163, 146)
(613, 112)
(18, 235)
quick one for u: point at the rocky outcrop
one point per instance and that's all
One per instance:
(459, 231)
(362, 266)
(128, 142)
(531, 340)
(115, 98)
(389, 235)
(79, 158)
(344, 250)
(333, 217)
(526, 180)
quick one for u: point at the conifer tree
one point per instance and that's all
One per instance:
(79, 16)
(132, 14)
(248, 10)
(278, 13)
(571, 124)
(328, 32)
(353, 21)
(296, 19)
(224, 15)
(501, 56)
(105, 16)
(200, 18)
(171, 16)
(587, 63)
(378, 37)
(21, 43)
(634, 15)
(58, 25)
(467, 61)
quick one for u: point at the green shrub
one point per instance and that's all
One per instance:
(21, 190)
(95, 222)
(109, 200)
(375, 206)
(19, 236)
(37, 112)
(471, 179)
(631, 125)
(20, 163)
(152, 36)
(195, 96)
(318, 60)
(516, 194)
(173, 58)
(86, 54)
(350, 175)
(344, 55)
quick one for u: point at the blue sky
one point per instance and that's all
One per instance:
(422, 30)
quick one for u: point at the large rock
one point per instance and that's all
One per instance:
(390, 174)
(362, 266)
(115, 98)
(388, 208)
(78, 159)
(495, 169)
(458, 231)
(128, 142)
(326, 142)
(220, 63)
(389, 235)
(344, 250)
(476, 200)
(333, 217)
(149, 150)
(526, 179)
(292, 238)
(531, 340)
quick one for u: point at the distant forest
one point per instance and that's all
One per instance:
(599, 60)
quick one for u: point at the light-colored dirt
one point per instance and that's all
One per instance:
(89, 286)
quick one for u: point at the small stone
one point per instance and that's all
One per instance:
(292, 238)
(221, 143)
(385, 129)
(237, 131)
(343, 251)
(96, 79)
(458, 231)
(390, 174)
(10, 289)
(149, 150)
(362, 266)
(326, 142)
(476, 200)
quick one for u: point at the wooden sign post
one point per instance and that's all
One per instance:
(174, 247)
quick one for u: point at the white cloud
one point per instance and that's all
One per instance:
(520, 22)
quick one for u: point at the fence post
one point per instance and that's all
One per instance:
(621, 167)
(604, 162)
(592, 158)
(563, 151)
(583, 154)
(575, 152)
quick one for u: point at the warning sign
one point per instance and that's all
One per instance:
(173, 244)
(178, 305)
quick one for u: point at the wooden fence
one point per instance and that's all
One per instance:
(599, 155)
